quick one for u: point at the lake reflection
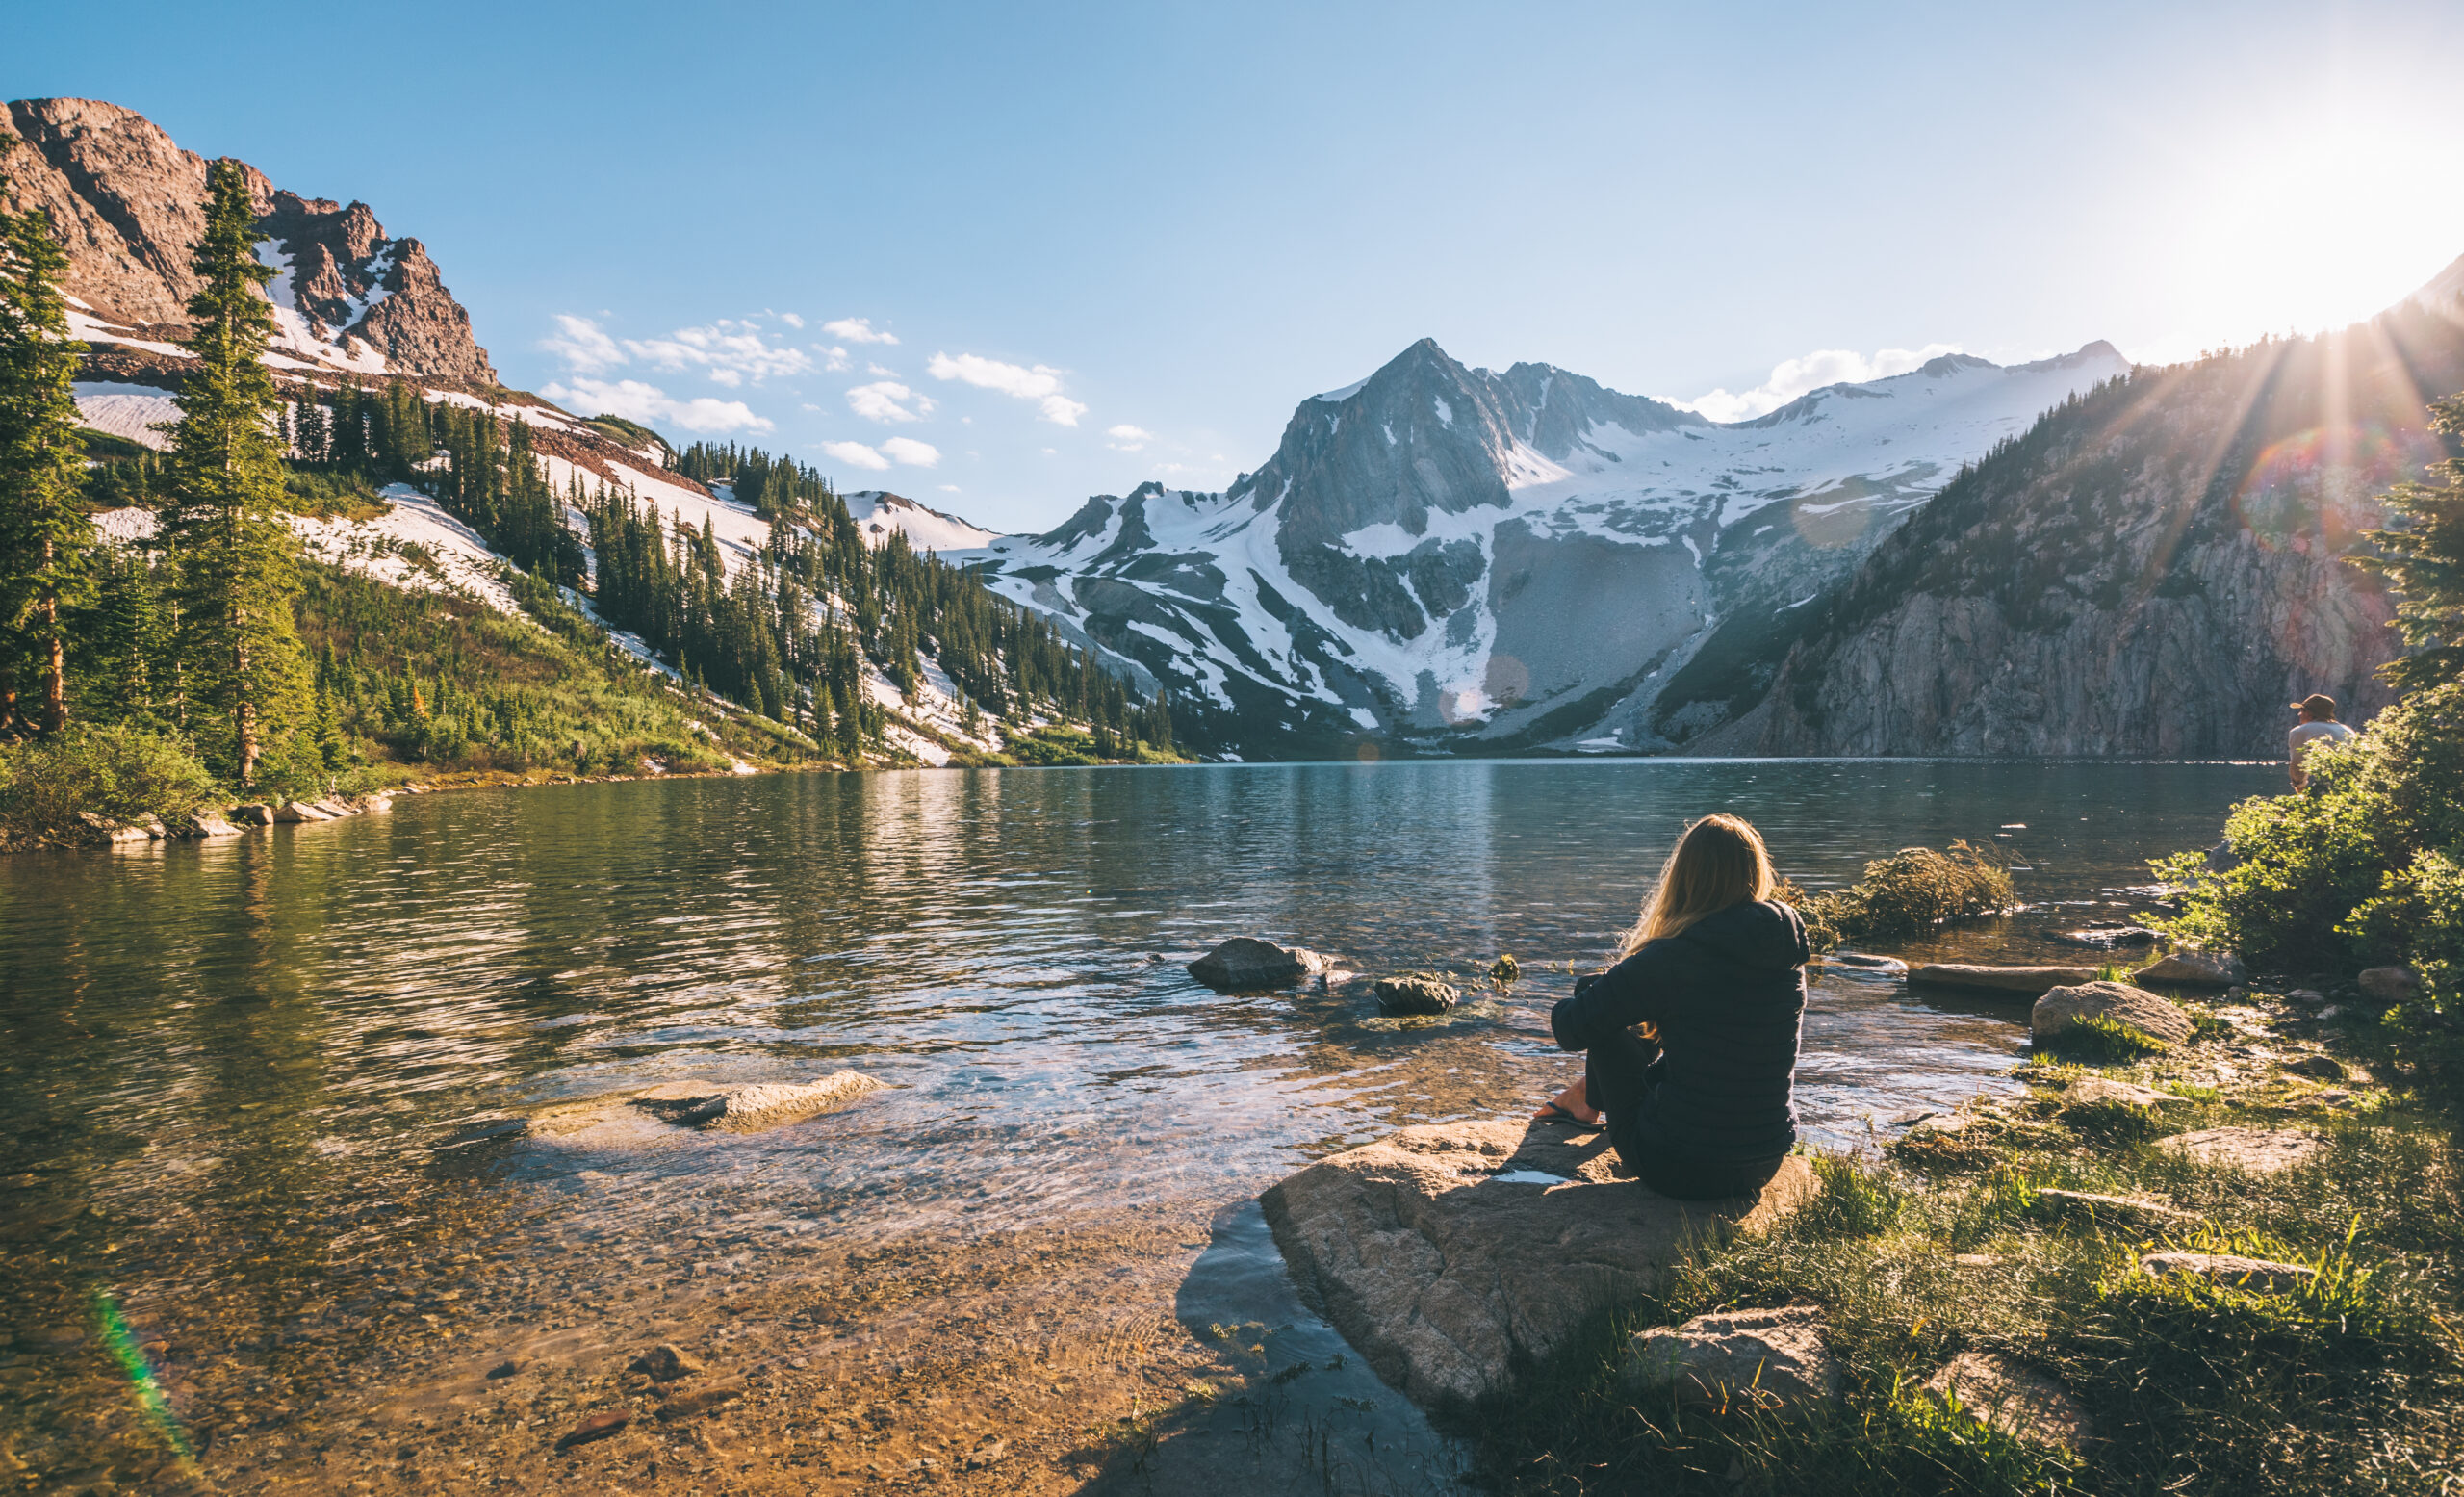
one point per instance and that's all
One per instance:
(269, 1066)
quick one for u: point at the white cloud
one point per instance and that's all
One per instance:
(886, 400)
(583, 347)
(855, 455)
(880, 372)
(791, 319)
(1128, 439)
(727, 350)
(952, 488)
(912, 453)
(856, 329)
(652, 407)
(1040, 384)
(835, 360)
(1793, 378)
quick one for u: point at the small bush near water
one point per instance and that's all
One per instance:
(121, 775)
(1912, 890)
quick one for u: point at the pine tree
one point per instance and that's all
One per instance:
(236, 560)
(45, 540)
(2423, 559)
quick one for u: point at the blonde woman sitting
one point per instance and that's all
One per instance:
(1690, 1041)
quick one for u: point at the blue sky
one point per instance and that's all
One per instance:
(1115, 243)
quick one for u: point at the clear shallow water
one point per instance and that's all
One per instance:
(282, 1057)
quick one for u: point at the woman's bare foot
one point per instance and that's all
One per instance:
(1571, 1105)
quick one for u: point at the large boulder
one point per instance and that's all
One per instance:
(252, 814)
(2194, 970)
(203, 823)
(2390, 983)
(1772, 1360)
(2026, 981)
(1444, 1253)
(2063, 1007)
(2008, 1396)
(1246, 961)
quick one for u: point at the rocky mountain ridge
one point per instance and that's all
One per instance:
(129, 203)
(1478, 561)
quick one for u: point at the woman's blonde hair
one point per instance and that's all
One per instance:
(1719, 861)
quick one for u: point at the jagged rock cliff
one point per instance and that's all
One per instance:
(2154, 569)
(129, 203)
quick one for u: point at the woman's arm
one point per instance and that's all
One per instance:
(1626, 994)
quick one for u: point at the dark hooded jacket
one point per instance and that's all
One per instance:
(1727, 994)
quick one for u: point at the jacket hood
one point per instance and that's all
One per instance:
(1755, 933)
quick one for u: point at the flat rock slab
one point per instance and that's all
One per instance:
(2009, 1396)
(2262, 1275)
(2194, 970)
(2061, 1008)
(2256, 1150)
(1772, 1360)
(1441, 1273)
(647, 1117)
(1246, 963)
(2026, 981)
(2105, 1089)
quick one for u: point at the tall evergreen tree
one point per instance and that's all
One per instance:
(45, 540)
(236, 560)
(2422, 555)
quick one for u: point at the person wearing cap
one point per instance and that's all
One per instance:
(2318, 721)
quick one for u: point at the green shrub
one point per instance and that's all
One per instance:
(1914, 890)
(120, 775)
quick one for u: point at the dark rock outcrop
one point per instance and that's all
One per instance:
(129, 204)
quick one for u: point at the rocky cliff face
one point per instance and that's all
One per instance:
(2155, 569)
(1488, 561)
(129, 204)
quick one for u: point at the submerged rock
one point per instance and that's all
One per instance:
(748, 1109)
(2253, 1150)
(1444, 1253)
(664, 1363)
(1772, 1360)
(649, 1117)
(2063, 1007)
(2110, 938)
(2003, 1394)
(1246, 961)
(2263, 1275)
(2027, 981)
(2194, 970)
(684, 1406)
(1415, 993)
(598, 1427)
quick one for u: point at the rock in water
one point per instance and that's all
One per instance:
(1246, 961)
(748, 1109)
(598, 1427)
(1772, 1360)
(684, 1405)
(2027, 981)
(2110, 938)
(664, 1363)
(252, 816)
(2159, 1019)
(1415, 993)
(2023, 1404)
(2253, 1150)
(2261, 1275)
(1442, 1273)
(2194, 970)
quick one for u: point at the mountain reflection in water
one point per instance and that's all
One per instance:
(265, 1093)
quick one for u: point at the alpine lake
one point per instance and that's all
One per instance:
(276, 1216)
